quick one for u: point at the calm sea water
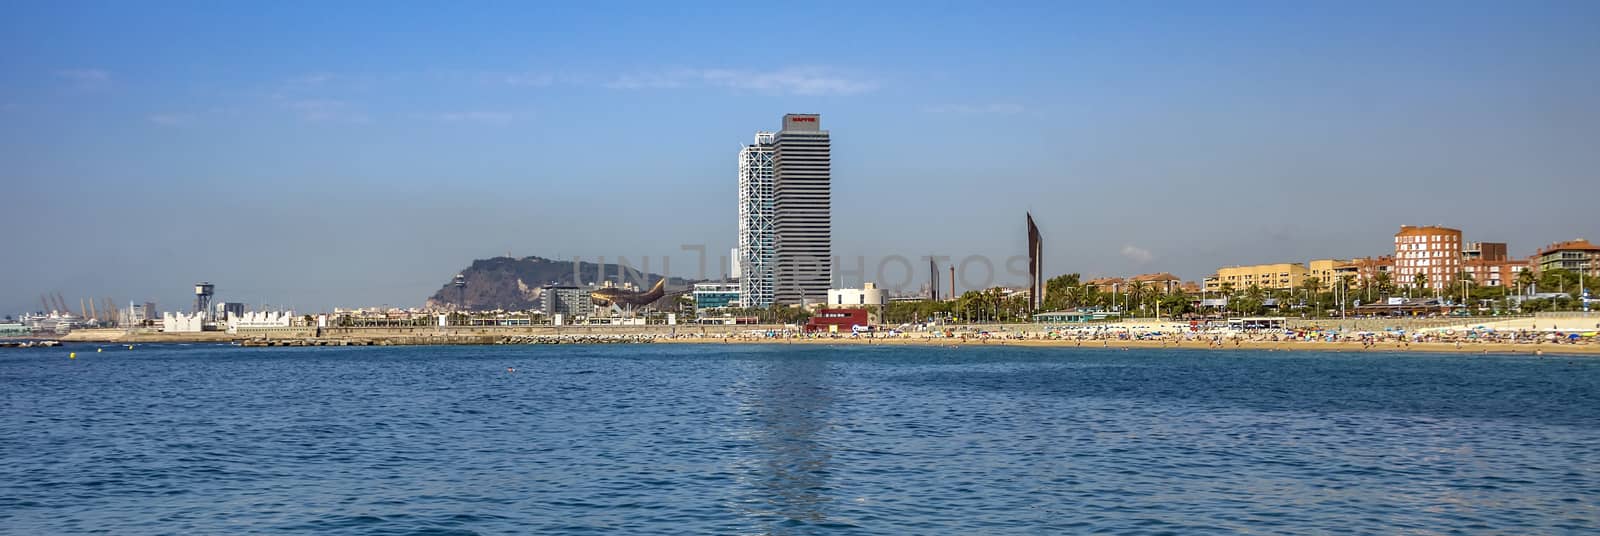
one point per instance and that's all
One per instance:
(793, 440)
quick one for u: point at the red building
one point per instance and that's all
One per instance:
(1428, 256)
(840, 319)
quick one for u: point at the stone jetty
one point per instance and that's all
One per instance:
(561, 338)
(632, 338)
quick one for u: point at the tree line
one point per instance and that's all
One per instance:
(1312, 297)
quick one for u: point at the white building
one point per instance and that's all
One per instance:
(757, 243)
(182, 322)
(846, 298)
(259, 319)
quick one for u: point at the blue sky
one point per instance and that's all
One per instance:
(318, 154)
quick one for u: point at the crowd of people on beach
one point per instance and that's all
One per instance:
(1107, 335)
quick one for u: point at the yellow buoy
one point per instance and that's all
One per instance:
(97, 350)
(73, 355)
(130, 347)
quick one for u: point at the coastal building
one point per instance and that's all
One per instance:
(755, 255)
(1278, 276)
(259, 322)
(54, 322)
(1367, 269)
(1493, 273)
(802, 210)
(710, 296)
(1574, 255)
(569, 301)
(1075, 316)
(837, 320)
(1162, 281)
(1328, 271)
(1427, 256)
(1105, 284)
(226, 309)
(140, 313)
(14, 330)
(1484, 251)
(844, 298)
(183, 322)
(1348, 269)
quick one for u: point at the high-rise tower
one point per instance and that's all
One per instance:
(802, 206)
(757, 243)
(1036, 283)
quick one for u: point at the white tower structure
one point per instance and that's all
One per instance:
(757, 223)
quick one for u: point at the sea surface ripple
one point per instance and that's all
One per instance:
(709, 439)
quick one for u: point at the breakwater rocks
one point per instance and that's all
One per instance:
(636, 338)
(29, 344)
(258, 343)
(574, 338)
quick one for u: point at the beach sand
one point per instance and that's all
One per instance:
(1285, 346)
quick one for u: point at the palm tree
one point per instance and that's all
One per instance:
(1344, 290)
(1078, 295)
(1464, 282)
(1061, 290)
(1136, 296)
(1313, 288)
(1526, 279)
(1384, 282)
(1227, 295)
(1175, 302)
(1251, 300)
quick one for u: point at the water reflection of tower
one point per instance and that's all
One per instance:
(786, 476)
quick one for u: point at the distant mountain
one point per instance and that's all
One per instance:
(513, 284)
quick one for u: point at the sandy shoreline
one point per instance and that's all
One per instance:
(1271, 346)
(668, 337)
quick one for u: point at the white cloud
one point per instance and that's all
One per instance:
(1137, 254)
(985, 109)
(791, 81)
